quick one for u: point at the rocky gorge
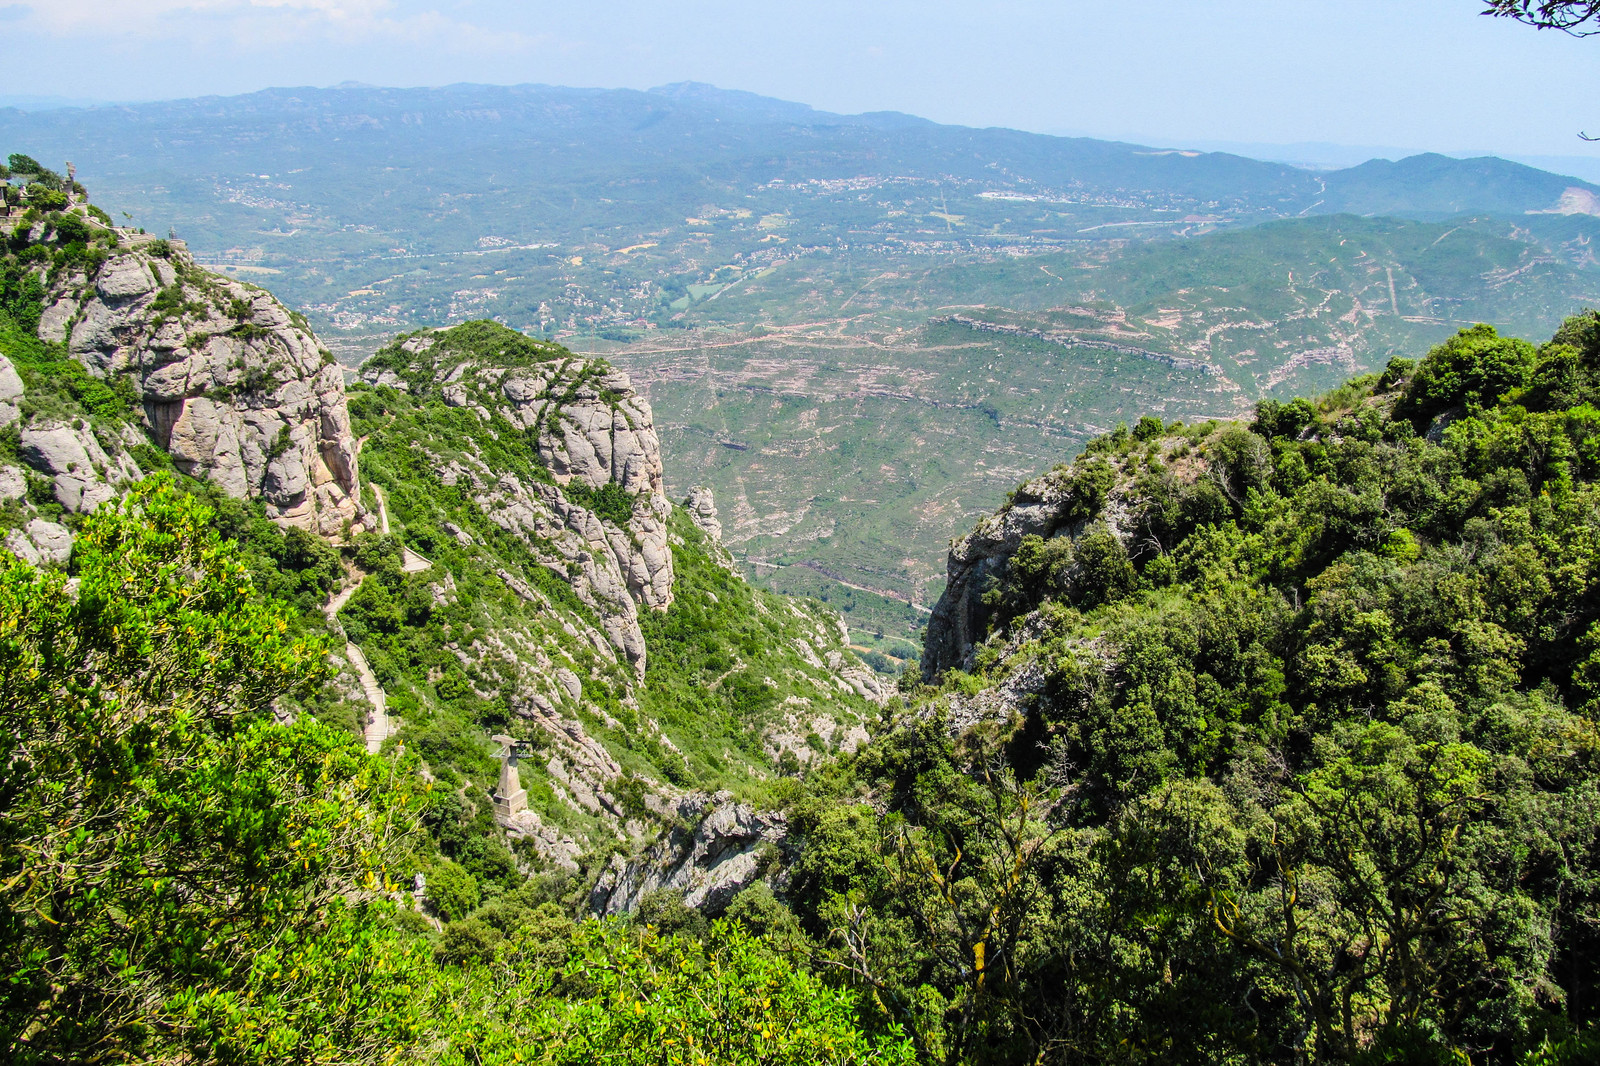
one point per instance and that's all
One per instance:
(508, 555)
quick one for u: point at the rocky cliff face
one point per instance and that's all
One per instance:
(715, 848)
(593, 506)
(1051, 505)
(231, 384)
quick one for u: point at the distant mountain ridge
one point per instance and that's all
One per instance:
(1432, 185)
(792, 280)
(674, 123)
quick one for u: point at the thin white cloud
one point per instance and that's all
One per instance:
(156, 17)
(255, 24)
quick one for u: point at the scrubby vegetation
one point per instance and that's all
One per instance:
(724, 664)
(1280, 747)
(724, 670)
(1306, 766)
(182, 878)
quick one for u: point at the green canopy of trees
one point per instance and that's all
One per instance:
(1300, 762)
(185, 878)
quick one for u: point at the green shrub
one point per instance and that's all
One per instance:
(1475, 367)
(466, 942)
(672, 1001)
(610, 501)
(45, 198)
(452, 892)
(24, 164)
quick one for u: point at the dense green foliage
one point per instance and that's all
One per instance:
(183, 878)
(159, 829)
(623, 997)
(1308, 769)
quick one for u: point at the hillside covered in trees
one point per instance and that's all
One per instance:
(1265, 742)
(1268, 742)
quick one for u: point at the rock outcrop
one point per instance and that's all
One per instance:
(82, 473)
(40, 541)
(597, 509)
(10, 392)
(702, 508)
(716, 848)
(230, 383)
(1047, 506)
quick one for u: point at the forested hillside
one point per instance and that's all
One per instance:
(1255, 742)
(1267, 741)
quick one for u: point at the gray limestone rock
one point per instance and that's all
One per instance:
(124, 276)
(18, 544)
(10, 392)
(709, 864)
(858, 677)
(551, 843)
(54, 541)
(13, 486)
(40, 542)
(53, 323)
(702, 509)
(74, 459)
(253, 405)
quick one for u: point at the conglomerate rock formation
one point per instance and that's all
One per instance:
(231, 384)
(716, 849)
(593, 435)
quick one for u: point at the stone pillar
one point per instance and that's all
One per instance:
(509, 797)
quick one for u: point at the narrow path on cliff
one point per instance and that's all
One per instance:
(410, 561)
(379, 726)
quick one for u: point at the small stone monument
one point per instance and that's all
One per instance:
(509, 798)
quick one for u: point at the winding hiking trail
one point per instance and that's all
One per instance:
(410, 561)
(380, 726)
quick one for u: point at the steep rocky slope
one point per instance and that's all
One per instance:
(558, 594)
(218, 374)
(507, 561)
(590, 502)
(231, 384)
(715, 848)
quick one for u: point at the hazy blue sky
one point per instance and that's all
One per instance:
(1410, 73)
